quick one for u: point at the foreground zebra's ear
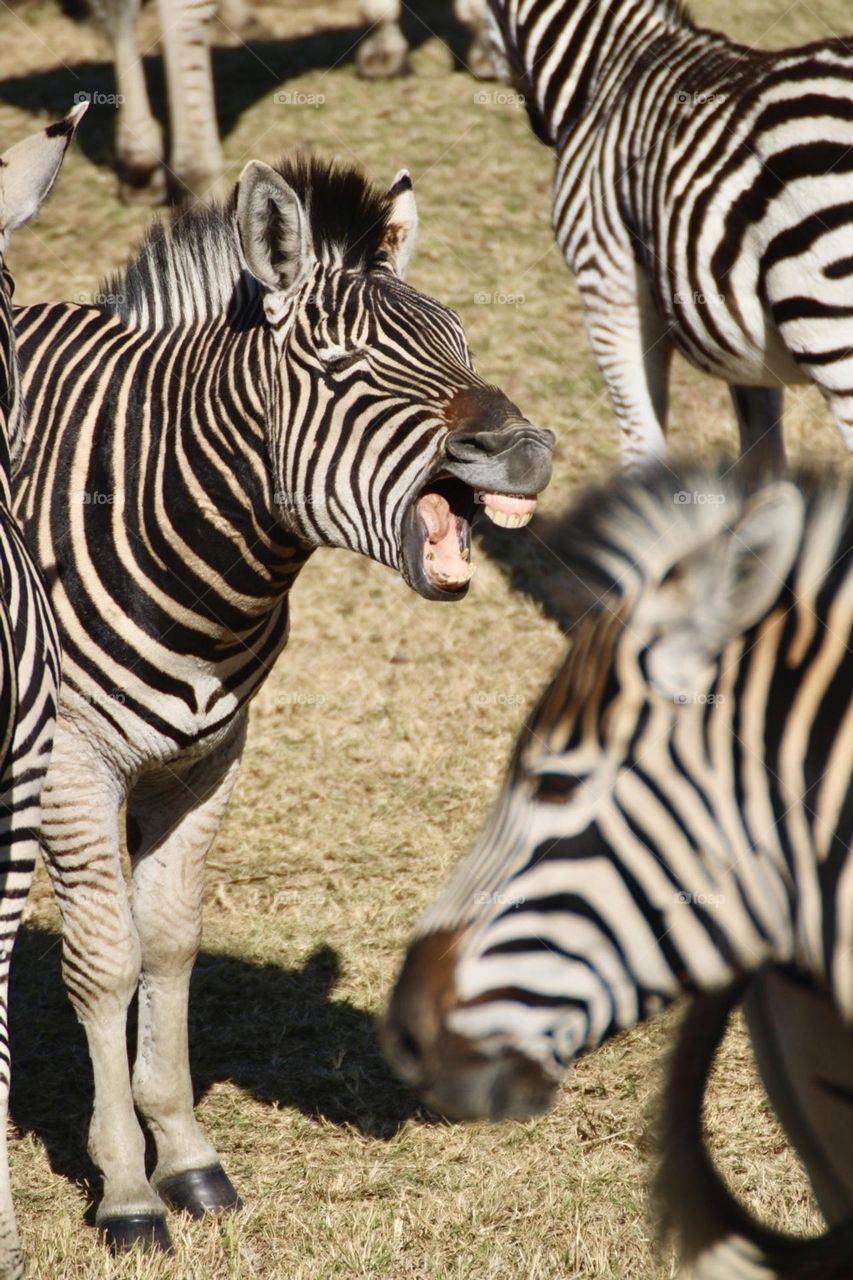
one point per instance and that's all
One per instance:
(725, 587)
(401, 232)
(273, 228)
(28, 171)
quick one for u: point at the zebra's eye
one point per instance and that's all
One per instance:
(554, 788)
(340, 361)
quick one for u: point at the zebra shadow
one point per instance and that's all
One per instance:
(276, 1033)
(533, 562)
(244, 74)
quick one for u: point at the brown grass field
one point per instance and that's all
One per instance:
(378, 743)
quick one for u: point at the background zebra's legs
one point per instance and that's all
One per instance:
(384, 51)
(759, 419)
(632, 348)
(138, 138)
(195, 162)
(804, 1053)
(170, 829)
(100, 964)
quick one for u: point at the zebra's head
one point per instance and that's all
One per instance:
(385, 440)
(589, 900)
(27, 173)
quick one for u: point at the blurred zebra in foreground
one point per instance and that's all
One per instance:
(703, 198)
(261, 382)
(29, 645)
(677, 815)
(193, 167)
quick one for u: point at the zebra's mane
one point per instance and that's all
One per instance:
(635, 528)
(191, 269)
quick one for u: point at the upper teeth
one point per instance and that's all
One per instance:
(508, 519)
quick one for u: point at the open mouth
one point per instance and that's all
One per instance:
(437, 533)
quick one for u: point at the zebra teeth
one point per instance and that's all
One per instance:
(509, 510)
(508, 519)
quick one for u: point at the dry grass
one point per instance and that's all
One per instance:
(374, 751)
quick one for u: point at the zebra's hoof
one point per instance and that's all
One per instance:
(200, 1191)
(147, 1229)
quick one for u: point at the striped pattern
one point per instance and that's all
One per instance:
(678, 811)
(29, 644)
(703, 198)
(259, 382)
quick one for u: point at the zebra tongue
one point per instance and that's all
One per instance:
(446, 561)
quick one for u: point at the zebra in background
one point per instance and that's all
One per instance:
(703, 199)
(677, 814)
(265, 383)
(384, 51)
(29, 645)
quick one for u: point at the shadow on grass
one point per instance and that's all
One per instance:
(533, 560)
(243, 75)
(276, 1033)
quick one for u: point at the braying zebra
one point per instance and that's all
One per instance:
(264, 383)
(678, 810)
(29, 645)
(703, 198)
(384, 51)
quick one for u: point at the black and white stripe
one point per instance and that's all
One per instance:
(678, 811)
(29, 645)
(259, 382)
(703, 198)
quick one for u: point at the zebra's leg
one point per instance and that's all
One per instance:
(100, 963)
(169, 834)
(471, 14)
(139, 138)
(633, 350)
(804, 1053)
(759, 418)
(384, 51)
(21, 854)
(196, 159)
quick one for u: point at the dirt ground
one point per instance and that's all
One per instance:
(376, 746)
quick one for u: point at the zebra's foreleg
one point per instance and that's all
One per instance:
(471, 14)
(633, 350)
(100, 964)
(169, 834)
(196, 157)
(759, 418)
(139, 138)
(384, 51)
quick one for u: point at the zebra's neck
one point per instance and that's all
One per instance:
(170, 433)
(564, 52)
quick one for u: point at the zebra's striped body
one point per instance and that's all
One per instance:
(187, 451)
(678, 811)
(29, 645)
(703, 198)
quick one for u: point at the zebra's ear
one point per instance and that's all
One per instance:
(723, 588)
(28, 171)
(273, 228)
(401, 232)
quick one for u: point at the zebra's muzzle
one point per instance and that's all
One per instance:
(436, 550)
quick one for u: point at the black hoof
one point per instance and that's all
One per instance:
(147, 1229)
(200, 1191)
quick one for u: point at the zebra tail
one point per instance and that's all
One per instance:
(717, 1238)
